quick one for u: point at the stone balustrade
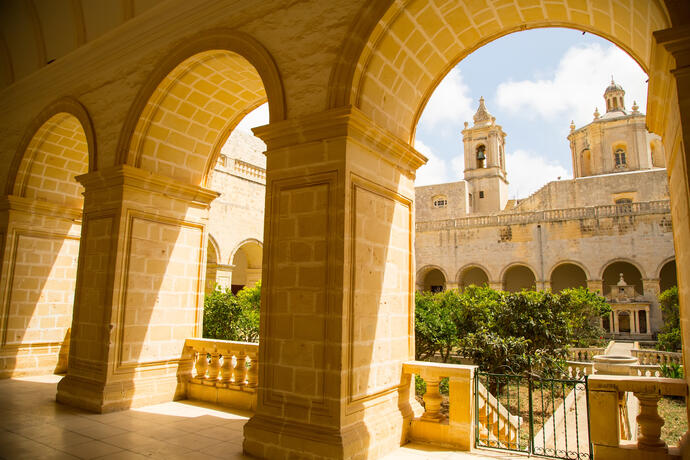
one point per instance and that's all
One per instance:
(552, 215)
(249, 171)
(578, 369)
(224, 372)
(657, 357)
(645, 370)
(585, 354)
(456, 430)
(605, 394)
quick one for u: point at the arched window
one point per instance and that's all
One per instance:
(481, 157)
(440, 202)
(619, 157)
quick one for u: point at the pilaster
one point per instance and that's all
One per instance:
(140, 288)
(338, 290)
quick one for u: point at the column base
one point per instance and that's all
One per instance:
(123, 394)
(380, 431)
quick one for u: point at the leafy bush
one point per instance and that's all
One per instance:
(233, 317)
(669, 335)
(507, 332)
(671, 371)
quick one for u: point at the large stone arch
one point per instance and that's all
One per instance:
(667, 274)
(40, 239)
(568, 273)
(246, 260)
(632, 273)
(473, 273)
(186, 110)
(518, 276)
(425, 271)
(407, 50)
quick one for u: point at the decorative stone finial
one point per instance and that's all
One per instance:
(621, 281)
(482, 116)
(596, 113)
(635, 107)
(466, 125)
(572, 125)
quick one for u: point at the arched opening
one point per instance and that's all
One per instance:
(473, 276)
(481, 156)
(431, 279)
(631, 275)
(624, 321)
(567, 276)
(519, 277)
(246, 266)
(41, 249)
(667, 276)
(211, 265)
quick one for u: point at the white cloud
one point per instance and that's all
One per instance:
(436, 170)
(577, 86)
(257, 117)
(527, 172)
(450, 102)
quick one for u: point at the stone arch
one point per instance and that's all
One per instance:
(430, 276)
(632, 274)
(668, 276)
(246, 261)
(568, 274)
(41, 238)
(212, 259)
(518, 276)
(63, 135)
(472, 274)
(406, 50)
(656, 150)
(185, 112)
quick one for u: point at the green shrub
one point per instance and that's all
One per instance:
(668, 338)
(233, 317)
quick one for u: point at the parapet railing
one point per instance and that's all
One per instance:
(249, 170)
(224, 372)
(578, 369)
(584, 354)
(606, 417)
(654, 357)
(456, 430)
(551, 215)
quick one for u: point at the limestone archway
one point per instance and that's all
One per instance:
(431, 279)
(212, 256)
(518, 277)
(246, 265)
(156, 242)
(631, 273)
(668, 276)
(473, 275)
(40, 238)
(568, 275)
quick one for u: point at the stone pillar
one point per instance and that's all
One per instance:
(451, 285)
(634, 329)
(651, 294)
(616, 329)
(595, 286)
(646, 315)
(337, 312)
(140, 287)
(39, 248)
(496, 285)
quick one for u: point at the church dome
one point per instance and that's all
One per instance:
(613, 87)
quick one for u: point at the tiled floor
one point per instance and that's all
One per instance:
(34, 426)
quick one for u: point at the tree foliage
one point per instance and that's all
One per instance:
(669, 335)
(233, 317)
(506, 332)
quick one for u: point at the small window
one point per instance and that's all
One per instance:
(619, 156)
(624, 205)
(481, 194)
(440, 202)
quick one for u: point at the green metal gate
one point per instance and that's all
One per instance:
(534, 415)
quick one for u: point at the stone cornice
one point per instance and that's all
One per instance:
(44, 208)
(128, 176)
(337, 123)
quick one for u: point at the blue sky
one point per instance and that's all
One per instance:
(534, 82)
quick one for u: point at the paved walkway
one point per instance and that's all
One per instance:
(621, 349)
(34, 426)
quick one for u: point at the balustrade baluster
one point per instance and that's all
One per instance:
(650, 422)
(226, 369)
(201, 365)
(432, 400)
(214, 366)
(253, 373)
(241, 369)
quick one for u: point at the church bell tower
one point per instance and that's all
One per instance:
(485, 164)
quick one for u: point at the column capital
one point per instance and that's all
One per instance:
(348, 122)
(122, 176)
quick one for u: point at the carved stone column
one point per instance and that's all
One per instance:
(337, 296)
(140, 287)
(651, 294)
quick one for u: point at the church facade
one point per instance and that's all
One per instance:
(608, 224)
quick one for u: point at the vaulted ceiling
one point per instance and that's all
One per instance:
(34, 33)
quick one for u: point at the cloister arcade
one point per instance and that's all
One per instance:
(134, 125)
